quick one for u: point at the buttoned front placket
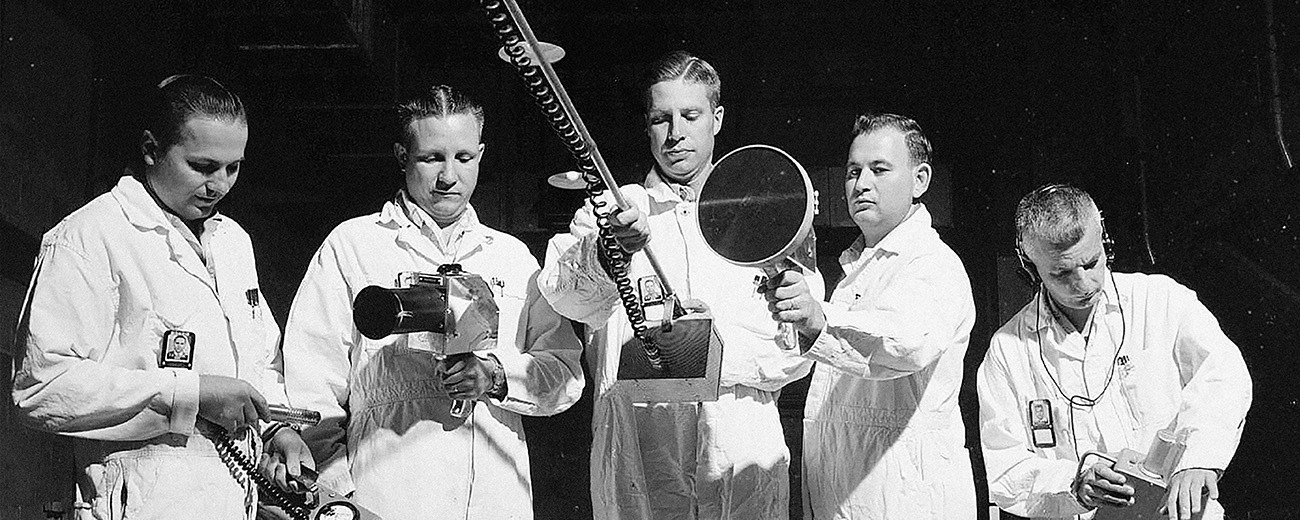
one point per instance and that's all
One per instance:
(1087, 365)
(684, 211)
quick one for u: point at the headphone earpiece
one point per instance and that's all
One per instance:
(1027, 268)
(1030, 272)
(1107, 245)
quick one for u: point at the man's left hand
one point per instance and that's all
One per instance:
(791, 301)
(466, 376)
(1188, 490)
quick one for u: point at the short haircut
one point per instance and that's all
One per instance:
(440, 102)
(184, 96)
(686, 67)
(1057, 213)
(918, 147)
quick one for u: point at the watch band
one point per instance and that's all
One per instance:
(498, 389)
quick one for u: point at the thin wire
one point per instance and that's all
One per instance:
(1082, 401)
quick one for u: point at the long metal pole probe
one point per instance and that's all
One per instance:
(567, 105)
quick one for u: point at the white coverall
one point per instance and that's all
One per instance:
(1175, 367)
(110, 280)
(385, 430)
(883, 436)
(714, 460)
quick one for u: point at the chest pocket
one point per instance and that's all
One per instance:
(510, 295)
(861, 291)
(1147, 388)
(175, 300)
(253, 328)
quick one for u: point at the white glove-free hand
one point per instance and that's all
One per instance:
(791, 301)
(230, 403)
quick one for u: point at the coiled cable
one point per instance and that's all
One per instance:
(243, 470)
(548, 93)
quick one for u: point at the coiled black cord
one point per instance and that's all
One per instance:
(240, 465)
(617, 260)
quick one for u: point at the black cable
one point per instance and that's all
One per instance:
(1081, 401)
(617, 261)
(239, 464)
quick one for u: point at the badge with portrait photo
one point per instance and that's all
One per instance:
(652, 293)
(177, 350)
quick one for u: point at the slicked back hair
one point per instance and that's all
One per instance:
(686, 67)
(918, 147)
(439, 102)
(183, 96)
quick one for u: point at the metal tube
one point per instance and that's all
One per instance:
(572, 114)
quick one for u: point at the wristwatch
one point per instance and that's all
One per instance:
(498, 389)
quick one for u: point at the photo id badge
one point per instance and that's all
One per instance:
(651, 292)
(177, 350)
(1040, 423)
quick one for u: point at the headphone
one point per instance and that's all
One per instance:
(1027, 268)
(1030, 271)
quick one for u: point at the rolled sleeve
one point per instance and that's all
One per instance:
(901, 331)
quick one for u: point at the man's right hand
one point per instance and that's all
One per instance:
(230, 403)
(283, 460)
(790, 300)
(631, 229)
(1100, 484)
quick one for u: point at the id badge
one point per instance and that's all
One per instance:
(651, 292)
(177, 350)
(1040, 423)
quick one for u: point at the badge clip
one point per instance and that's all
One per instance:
(254, 301)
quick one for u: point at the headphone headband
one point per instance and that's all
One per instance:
(1027, 267)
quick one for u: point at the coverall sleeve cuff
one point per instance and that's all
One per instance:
(826, 347)
(516, 368)
(185, 402)
(807, 343)
(336, 475)
(1211, 449)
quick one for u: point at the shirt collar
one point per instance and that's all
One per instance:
(1110, 304)
(663, 191)
(143, 211)
(908, 232)
(403, 212)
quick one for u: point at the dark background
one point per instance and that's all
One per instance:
(1162, 111)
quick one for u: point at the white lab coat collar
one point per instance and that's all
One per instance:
(663, 192)
(407, 217)
(1111, 304)
(909, 231)
(144, 212)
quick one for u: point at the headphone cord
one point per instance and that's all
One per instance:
(1081, 401)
